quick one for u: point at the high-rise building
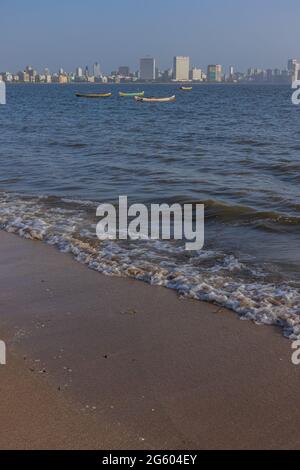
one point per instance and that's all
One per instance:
(31, 73)
(181, 68)
(24, 77)
(96, 70)
(294, 69)
(292, 63)
(79, 72)
(147, 68)
(196, 75)
(270, 75)
(124, 71)
(214, 73)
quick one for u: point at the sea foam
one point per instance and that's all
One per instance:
(207, 275)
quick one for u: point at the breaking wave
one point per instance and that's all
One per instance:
(208, 275)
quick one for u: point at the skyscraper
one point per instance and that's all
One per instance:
(79, 72)
(294, 69)
(196, 75)
(181, 68)
(96, 70)
(214, 73)
(147, 68)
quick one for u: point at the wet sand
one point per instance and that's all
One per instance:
(110, 363)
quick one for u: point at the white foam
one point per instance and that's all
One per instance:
(207, 275)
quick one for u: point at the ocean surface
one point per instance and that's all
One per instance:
(234, 148)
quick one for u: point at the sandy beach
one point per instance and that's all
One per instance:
(98, 362)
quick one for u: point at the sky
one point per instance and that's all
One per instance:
(71, 33)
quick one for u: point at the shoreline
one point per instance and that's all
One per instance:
(131, 366)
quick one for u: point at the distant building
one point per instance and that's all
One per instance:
(63, 79)
(269, 76)
(166, 75)
(181, 68)
(232, 77)
(96, 70)
(214, 73)
(7, 77)
(294, 69)
(40, 78)
(196, 75)
(24, 77)
(147, 68)
(32, 73)
(79, 72)
(124, 71)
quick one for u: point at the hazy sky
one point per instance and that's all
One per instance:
(67, 33)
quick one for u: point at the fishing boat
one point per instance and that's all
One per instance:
(155, 100)
(139, 93)
(186, 88)
(93, 95)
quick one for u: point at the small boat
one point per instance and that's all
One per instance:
(186, 88)
(93, 95)
(139, 93)
(155, 100)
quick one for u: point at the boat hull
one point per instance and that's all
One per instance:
(156, 100)
(93, 95)
(141, 93)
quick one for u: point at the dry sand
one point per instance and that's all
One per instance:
(108, 363)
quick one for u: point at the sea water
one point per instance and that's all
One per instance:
(234, 148)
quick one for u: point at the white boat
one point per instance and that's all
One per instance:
(155, 100)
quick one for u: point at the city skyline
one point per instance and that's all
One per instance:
(182, 71)
(149, 64)
(100, 69)
(64, 34)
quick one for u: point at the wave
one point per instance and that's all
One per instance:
(244, 214)
(208, 275)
